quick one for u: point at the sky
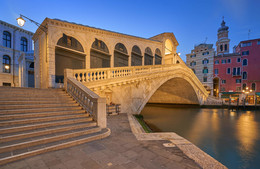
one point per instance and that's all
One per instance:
(192, 21)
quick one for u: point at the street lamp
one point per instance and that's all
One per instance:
(21, 22)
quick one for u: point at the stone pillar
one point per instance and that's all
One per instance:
(99, 112)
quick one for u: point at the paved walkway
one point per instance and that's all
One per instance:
(120, 150)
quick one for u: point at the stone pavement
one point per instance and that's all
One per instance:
(121, 150)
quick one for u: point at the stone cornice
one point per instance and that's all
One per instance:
(15, 27)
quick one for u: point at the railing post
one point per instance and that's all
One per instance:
(67, 73)
(99, 112)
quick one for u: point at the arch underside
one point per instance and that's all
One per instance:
(175, 91)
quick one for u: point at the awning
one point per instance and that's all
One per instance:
(257, 93)
(231, 93)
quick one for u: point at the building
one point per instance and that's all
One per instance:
(76, 46)
(17, 58)
(201, 60)
(236, 72)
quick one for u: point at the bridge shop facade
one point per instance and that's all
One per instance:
(75, 46)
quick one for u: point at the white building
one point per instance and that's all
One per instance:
(17, 57)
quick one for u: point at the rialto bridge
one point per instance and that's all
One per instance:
(124, 69)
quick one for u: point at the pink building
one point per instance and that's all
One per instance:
(236, 75)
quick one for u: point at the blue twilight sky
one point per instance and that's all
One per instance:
(190, 20)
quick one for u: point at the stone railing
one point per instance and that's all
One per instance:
(90, 75)
(90, 101)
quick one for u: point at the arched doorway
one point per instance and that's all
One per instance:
(69, 53)
(216, 87)
(148, 56)
(158, 57)
(136, 56)
(99, 55)
(120, 56)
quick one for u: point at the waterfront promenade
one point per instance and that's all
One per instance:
(121, 150)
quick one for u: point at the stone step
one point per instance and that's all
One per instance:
(33, 94)
(2, 88)
(45, 131)
(7, 102)
(43, 119)
(43, 109)
(40, 114)
(47, 98)
(45, 140)
(43, 125)
(55, 146)
(12, 107)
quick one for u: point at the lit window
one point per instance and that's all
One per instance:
(7, 39)
(6, 64)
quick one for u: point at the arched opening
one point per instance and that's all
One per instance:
(6, 64)
(99, 55)
(69, 54)
(168, 47)
(216, 87)
(136, 56)
(158, 57)
(148, 56)
(175, 91)
(120, 56)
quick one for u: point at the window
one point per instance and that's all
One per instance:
(216, 71)
(193, 56)
(223, 61)
(244, 62)
(238, 59)
(245, 53)
(205, 70)
(229, 60)
(253, 86)
(205, 53)
(244, 86)
(221, 48)
(7, 39)
(223, 81)
(258, 42)
(205, 61)
(246, 44)
(192, 63)
(225, 47)
(234, 71)
(244, 75)
(7, 84)
(6, 64)
(205, 79)
(216, 62)
(238, 71)
(228, 70)
(24, 44)
(238, 80)
(238, 89)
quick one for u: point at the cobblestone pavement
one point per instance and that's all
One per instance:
(120, 150)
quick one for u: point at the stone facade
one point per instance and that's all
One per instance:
(46, 46)
(201, 61)
(16, 64)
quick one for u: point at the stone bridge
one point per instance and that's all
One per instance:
(133, 87)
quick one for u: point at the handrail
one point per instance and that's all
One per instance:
(90, 101)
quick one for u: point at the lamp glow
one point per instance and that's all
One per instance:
(20, 21)
(7, 67)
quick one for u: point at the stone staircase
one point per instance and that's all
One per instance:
(35, 121)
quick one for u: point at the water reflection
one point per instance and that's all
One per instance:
(229, 136)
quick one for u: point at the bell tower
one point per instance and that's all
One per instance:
(223, 41)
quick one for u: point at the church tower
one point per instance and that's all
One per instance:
(223, 41)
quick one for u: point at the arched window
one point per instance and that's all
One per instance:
(244, 75)
(253, 86)
(221, 48)
(158, 57)
(136, 56)
(244, 86)
(225, 47)
(99, 55)
(205, 70)
(70, 42)
(7, 39)
(205, 61)
(24, 44)
(148, 56)
(6, 64)
(244, 62)
(120, 55)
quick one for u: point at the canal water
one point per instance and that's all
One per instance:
(232, 138)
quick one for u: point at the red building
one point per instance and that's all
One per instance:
(236, 75)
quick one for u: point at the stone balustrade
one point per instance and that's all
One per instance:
(90, 101)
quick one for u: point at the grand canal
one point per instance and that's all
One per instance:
(231, 137)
